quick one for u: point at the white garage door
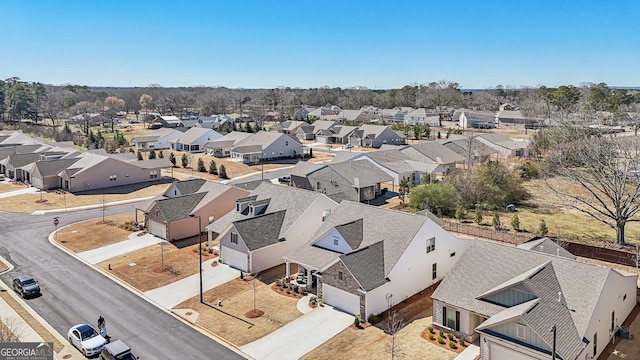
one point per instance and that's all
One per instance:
(500, 352)
(235, 259)
(340, 299)
(158, 229)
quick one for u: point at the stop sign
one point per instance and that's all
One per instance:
(56, 222)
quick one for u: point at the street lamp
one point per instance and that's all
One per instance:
(199, 252)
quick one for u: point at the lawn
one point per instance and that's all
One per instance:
(11, 186)
(94, 233)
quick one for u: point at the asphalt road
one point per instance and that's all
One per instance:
(74, 293)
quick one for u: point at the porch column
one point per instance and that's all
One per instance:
(287, 265)
(209, 239)
(309, 282)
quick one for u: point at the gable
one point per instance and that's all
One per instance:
(517, 330)
(332, 240)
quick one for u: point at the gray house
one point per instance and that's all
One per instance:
(375, 136)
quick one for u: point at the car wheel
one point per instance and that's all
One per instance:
(84, 352)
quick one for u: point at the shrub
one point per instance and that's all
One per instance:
(356, 321)
(441, 333)
(432, 337)
(515, 222)
(373, 319)
(152, 154)
(430, 328)
(496, 220)
(201, 167)
(172, 158)
(222, 172)
(543, 230)
(453, 345)
(478, 217)
(213, 169)
(461, 341)
(450, 336)
(184, 160)
(440, 340)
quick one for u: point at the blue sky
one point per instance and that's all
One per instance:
(266, 44)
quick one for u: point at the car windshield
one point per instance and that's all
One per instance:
(28, 282)
(87, 333)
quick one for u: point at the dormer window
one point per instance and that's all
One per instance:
(521, 331)
(234, 238)
(335, 241)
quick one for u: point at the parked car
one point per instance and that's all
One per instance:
(117, 350)
(86, 339)
(26, 286)
(284, 179)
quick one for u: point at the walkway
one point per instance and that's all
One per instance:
(169, 296)
(134, 243)
(471, 352)
(300, 336)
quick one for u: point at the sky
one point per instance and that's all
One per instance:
(305, 44)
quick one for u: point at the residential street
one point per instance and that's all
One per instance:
(74, 293)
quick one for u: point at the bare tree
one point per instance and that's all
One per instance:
(9, 330)
(604, 169)
(394, 324)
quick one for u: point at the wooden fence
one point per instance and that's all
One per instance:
(503, 236)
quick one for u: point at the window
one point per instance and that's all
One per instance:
(431, 244)
(613, 321)
(153, 174)
(238, 207)
(335, 241)
(325, 214)
(595, 344)
(434, 271)
(113, 177)
(340, 275)
(451, 319)
(286, 143)
(521, 331)
(234, 238)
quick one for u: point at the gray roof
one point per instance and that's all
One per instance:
(392, 159)
(461, 147)
(250, 185)
(53, 167)
(367, 173)
(482, 268)
(503, 141)
(248, 149)
(262, 230)
(547, 246)
(219, 144)
(234, 137)
(153, 163)
(375, 227)
(195, 133)
(437, 152)
(189, 186)
(367, 265)
(295, 201)
(18, 160)
(304, 168)
(143, 139)
(177, 208)
(351, 232)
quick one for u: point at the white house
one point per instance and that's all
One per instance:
(271, 221)
(266, 145)
(221, 147)
(194, 139)
(517, 299)
(157, 140)
(504, 146)
(422, 117)
(366, 259)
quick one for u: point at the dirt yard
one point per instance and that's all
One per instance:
(11, 186)
(230, 322)
(143, 269)
(415, 312)
(94, 233)
(28, 203)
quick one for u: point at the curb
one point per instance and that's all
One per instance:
(67, 348)
(117, 280)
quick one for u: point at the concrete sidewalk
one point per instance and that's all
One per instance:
(173, 294)
(470, 352)
(93, 206)
(133, 243)
(300, 336)
(29, 190)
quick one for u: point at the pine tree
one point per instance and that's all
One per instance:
(478, 217)
(152, 154)
(212, 168)
(172, 158)
(496, 220)
(459, 212)
(515, 222)
(222, 172)
(543, 230)
(139, 155)
(184, 160)
(160, 155)
(201, 167)
(247, 127)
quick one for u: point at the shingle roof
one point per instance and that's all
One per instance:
(195, 133)
(18, 160)
(250, 185)
(304, 168)
(53, 167)
(367, 173)
(486, 261)
(503, 141)
(248, 149)
(367, 265)
(177, 208)
(547, 246)
(351, 232)
(189, 186)
(142, 139)
(374, 229)
(262, 230)
(437, 152)
(152, 164)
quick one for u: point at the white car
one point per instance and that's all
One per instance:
(86, 339)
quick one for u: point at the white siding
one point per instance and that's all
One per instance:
(235, 259)
(341, 299)
(283, 146)
(327, 242)
(158, 229)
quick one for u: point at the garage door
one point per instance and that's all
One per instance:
(500, 352)
(158, 229)
(322, 139)
(235, 259)
(340, 299)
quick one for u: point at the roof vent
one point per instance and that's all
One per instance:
(558, 252)
(560, 296)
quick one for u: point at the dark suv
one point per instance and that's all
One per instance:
(26, 286)
(117, 350)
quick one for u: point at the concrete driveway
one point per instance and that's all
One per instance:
(133, 243)
(300, 336)
(29, 190)
(173, 294)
